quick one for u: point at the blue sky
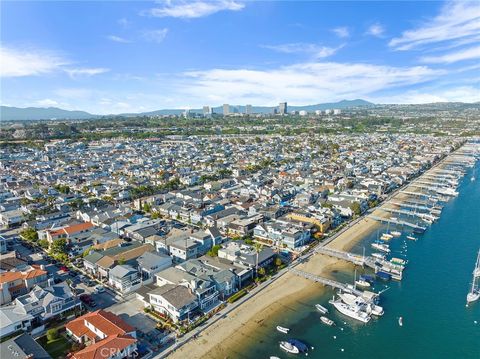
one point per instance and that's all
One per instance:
(118, 56)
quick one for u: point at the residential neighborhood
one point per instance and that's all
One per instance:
(160, 235)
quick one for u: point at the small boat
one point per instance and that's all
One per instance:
(274, 357)
(384, 275)
(282, 329)
(396, 233)
(289, 348)
(362, 283)
(400, 321)
(327, 321)
(381, 247)
(411, 238)
(386, 237)
(379, 256)
(367, 278)
(398, 261)
(321, 308)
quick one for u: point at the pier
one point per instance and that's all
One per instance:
(414, 207)
(401, 211)
(326, 281)
(397, 222)
(349, 257)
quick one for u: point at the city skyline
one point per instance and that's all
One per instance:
(134, 57)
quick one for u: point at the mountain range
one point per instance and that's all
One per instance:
(8, 113)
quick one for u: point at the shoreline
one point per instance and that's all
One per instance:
(227, 337)
(280, 296)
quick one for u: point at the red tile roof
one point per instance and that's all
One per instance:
(106, 348)
(108, 323)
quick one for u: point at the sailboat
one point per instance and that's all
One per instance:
(474, 293)
(473, 176)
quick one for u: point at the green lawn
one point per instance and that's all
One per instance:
(57, 347)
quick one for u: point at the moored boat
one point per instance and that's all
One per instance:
(289, 348)
(379, 256)
(396, 233)
(327, 321)
(352, 311)
(381, 247)
(386, 237)
(411, 238)
(362, 283)
(321, 308)
(282, 329)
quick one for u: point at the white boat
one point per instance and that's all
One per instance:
(379, 256)
(282, 329)
(474, 293)
(327, 321)
(369, 307)
(411, 238)
(321, 308)
(381, 247)
(352, 311)
(362, 283)
(274, 357)
(396, 233)
(398, 261)
(289, 348)
(400, 321)
(386, 237)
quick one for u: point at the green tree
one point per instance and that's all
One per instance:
(258, 247)
(58, 247)
(278, 261)
(43, 243)
(29, 234)
(356, 208)
(214, 251)
(52, 334)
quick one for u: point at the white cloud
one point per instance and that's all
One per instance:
(155, 35)
(315, 50)
(342, 31)
(454, 94)
(376, 30)
(124, 22)
(47, 103)
(303, 83)
(118, 39)
(457, 21)
(463, 54)
(85, 71)
(17, 63)
(193, 9)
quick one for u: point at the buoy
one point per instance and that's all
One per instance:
(341, 328)
(344, 322)
(334, 337)
(475, 321)
(313, 347)
(342, 349)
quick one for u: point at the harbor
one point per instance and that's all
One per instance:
(437, 259)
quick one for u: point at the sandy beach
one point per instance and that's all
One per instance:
(225, 338)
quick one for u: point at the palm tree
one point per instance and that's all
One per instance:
(258, 247)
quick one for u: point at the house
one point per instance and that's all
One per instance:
(13, 320)
(22, 346)
(105, 335)
(16, 283)
(3, 245)
(124, 278)
(175, 301)
(69, 231)
(49, 302)
(11, 218)
(246, 255)
(282, 233)
(151, 263)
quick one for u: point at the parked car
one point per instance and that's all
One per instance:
(99, 289)
(89, 283)
(64, 269)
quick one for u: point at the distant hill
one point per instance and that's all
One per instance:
(39, 113)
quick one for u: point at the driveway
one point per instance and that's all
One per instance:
(131, 310)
